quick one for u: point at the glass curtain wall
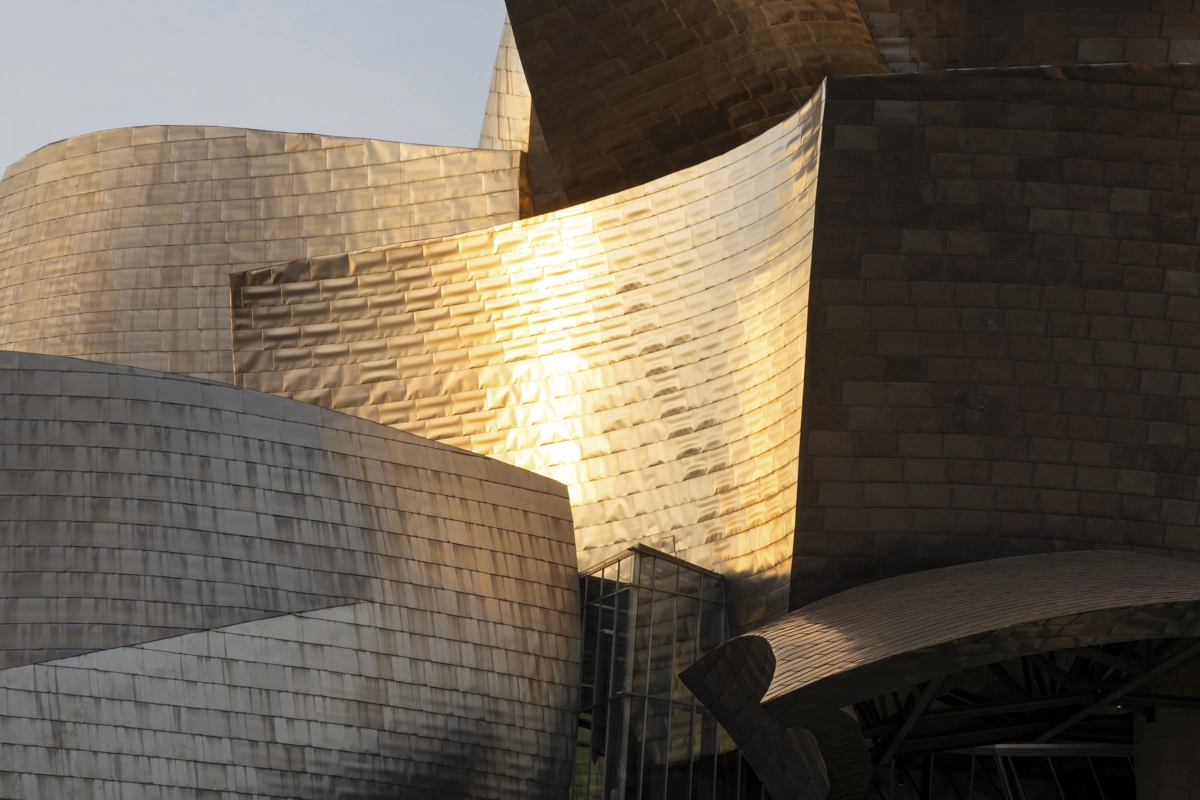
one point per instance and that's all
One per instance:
(648, 616)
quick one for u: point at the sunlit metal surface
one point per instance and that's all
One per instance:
(646, 349)
(115, 246)
(510, 123)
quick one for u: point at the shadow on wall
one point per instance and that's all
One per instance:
(431, 776)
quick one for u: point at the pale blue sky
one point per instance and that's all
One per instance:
(407, 70)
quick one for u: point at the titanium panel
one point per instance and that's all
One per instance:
(1003, 354)
(628, 91)
(210, 589)
(510, 123)
(646, 349)
(115, 246)
(940, 34)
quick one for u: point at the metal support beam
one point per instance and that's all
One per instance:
(1045, 664)
(1099, 656)
(1177, 660)
(1008, 680)
(1003, 708)
(927, 697)
(1160, 700)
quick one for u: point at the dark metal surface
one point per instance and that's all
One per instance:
(628, 91)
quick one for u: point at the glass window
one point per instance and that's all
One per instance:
(610, 577)
(679, 768)
(642, 735)
(641, 641)
(666, 575)
(690, 582)
(625, 574)
(662, 645)
(687, 628)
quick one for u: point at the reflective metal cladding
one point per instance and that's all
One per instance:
(116, 245)
(628, 91)
(645, 349)
(213, 590)
(770, 343)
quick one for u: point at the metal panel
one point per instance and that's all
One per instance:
(646, 349)
(230, 592)
(116, 245)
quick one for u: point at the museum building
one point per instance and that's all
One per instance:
(789, 399)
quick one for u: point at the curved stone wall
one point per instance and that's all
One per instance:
(207, 588)
(627, 92)
(1003, 351)
(936, 34)
(115, 246)
(646, 349)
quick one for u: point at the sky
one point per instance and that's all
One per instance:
(405, 70)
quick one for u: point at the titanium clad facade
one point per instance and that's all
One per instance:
(645, 349)
(1002, 353)
(940, 34)
(909, 364)
(510, 123)
(210, 589)
(506, 118)
(115, 246)
(628, 91)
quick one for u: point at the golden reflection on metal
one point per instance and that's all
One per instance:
(510, 123)
(116, 246)
(509, 106)
(645, 349)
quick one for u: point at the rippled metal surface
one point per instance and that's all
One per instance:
(115, 246)
(646, 349)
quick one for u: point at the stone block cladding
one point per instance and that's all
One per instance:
(645, 349)
(1004, 333)
(115, 246)
(628, 91)
(209, 589)
(939, 34)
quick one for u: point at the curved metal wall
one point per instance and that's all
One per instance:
(646, 349)
(115, 246)
(308, 604)
(629, 91)
(510, 123)
(928, 627)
